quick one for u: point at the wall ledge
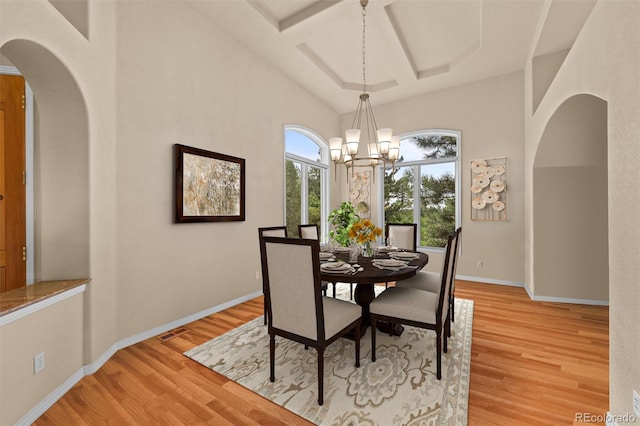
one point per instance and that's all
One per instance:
(24, 301)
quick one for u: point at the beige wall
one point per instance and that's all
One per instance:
(604, 62)
(570, 210)
(192, 85)
(77, 166)
(489, 113)
(58, 332)
(545, 68)
(196, 86)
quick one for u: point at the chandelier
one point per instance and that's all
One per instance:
(382, 146)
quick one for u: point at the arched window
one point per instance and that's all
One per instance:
(306, 179)
(424, 187)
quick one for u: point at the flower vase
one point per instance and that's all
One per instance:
(367, 249)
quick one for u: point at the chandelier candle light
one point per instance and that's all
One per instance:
(382, 145)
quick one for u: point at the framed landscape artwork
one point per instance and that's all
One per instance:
(209, 187)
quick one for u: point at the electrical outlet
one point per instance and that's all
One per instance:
(636, 403)
(257, 274)
(480, 264)
(38, 363)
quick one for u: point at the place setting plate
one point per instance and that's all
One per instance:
(404, 255)
(392, 264)
(326, 256)
(336, 267)
(342, 249)
(387, 249)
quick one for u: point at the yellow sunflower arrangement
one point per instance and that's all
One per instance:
(364, 232)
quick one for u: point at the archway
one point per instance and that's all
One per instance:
(61, 163)
(570, 214)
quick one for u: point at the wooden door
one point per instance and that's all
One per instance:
(13, 265)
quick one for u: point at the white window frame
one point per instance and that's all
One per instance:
(323, 165)
(416, 164)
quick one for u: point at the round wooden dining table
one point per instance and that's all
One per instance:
(368, 277)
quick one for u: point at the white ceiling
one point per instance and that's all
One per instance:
(412, 46)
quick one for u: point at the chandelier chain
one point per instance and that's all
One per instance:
(364, 67)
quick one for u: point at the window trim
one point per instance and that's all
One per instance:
(415, 164)
(323, 165)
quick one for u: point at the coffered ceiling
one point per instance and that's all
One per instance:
(412, 46)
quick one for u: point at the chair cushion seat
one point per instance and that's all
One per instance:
(408, 303)
(423, 280)
(338, 314)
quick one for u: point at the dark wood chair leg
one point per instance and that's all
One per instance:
(272, 357)
(439, 354)
(373, 339)
(334, 290)
(357, 343)
(265, 310)
(446, 334)
(320, 375)
(453, 303)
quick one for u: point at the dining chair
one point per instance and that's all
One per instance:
(404, 235)
(296, 309)
(417, 308)
(430, 280)
(310, 232)
(270, 231)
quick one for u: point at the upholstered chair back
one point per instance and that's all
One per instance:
(403, 234)
(293, 280)
(274, 232)
(308, 231)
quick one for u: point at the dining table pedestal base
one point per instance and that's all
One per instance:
(363, 296)
(366, 277)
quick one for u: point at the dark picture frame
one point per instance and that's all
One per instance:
(209, 186)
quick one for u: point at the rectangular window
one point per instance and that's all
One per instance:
(306, 180)
(423, 186)
(437, 203)
(293, 197)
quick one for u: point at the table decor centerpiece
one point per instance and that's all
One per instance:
(365, 233)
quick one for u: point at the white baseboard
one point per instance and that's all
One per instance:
(533, 296)
(566, 299)
(182, 321)
(489, 281)
(33, 414)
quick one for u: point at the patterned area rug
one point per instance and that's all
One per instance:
(400, 388)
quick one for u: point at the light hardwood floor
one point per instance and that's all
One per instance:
(532, 363)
